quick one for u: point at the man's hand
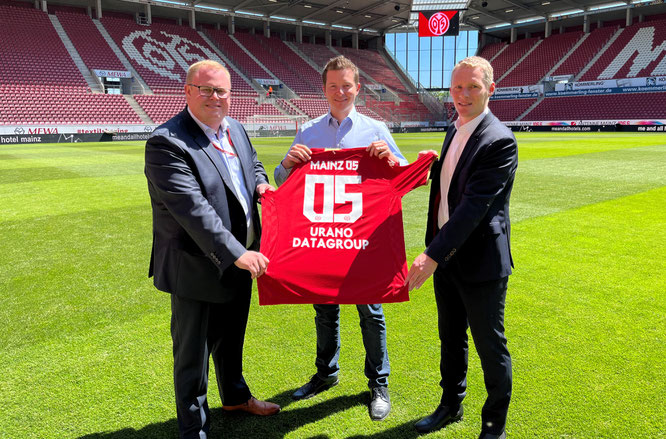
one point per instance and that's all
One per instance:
(380, 149)
(427, 151)
(263, 187)
(254, 262)
(297, 154)
(422, 268)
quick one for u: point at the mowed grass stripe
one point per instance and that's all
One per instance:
(586, 317)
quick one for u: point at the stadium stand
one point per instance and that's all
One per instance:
(586, 51)
(490, 50)
(38, 58)
(89, 43)
(34, 104)
(510, 56)
(614, 106)
(295, 63)
(614, 63)
(240, 59)
(508, 110)
(161, 52)
(295, 80)
(37, 64)
(318, 53)
(535, 66)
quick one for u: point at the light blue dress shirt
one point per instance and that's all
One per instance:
(355, 131)
(232, 162)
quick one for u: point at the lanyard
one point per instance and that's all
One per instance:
(218, 146)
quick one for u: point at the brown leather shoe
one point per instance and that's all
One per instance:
(255, 407)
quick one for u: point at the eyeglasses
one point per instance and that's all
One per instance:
(207, 91)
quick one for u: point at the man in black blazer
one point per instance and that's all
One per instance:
(468, 251)
(204, 179)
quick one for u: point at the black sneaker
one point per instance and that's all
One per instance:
(314, 386)
(380, 404)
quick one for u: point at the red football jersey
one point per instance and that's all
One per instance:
(333, 231)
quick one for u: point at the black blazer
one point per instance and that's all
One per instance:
(199, 226)
(475, 240)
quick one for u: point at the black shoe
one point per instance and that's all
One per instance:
(380, 404)
(442, 416)
(314, 386)
(492, 435)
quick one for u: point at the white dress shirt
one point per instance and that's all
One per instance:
(460, 138)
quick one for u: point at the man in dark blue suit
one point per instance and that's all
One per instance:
(468, 251)
(204, 179)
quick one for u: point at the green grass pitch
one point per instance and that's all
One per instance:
(85, 349)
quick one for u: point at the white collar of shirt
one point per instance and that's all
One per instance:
(469, 127)
(351, 116)
(210, 132)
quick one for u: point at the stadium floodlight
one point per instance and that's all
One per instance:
(529, 19)
(278, 17)
(341, 26)
(172, 2)
(314, 22)
(565, 13)
(250, 13)
(498, 25)
(212, 8)
(606, 6)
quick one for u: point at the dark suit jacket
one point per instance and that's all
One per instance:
(475, 240)
(199, 227)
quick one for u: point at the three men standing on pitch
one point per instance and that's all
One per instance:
(204, 179)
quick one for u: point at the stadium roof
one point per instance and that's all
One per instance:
(373, 18)
(367, 17)
(498, 17)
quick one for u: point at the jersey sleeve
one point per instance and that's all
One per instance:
(414, 175)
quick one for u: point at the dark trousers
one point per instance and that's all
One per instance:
(373, 329)
(481, 307)
(200, 330)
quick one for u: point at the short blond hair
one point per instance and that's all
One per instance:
(477, 61)
(340, 63)
(194, 68)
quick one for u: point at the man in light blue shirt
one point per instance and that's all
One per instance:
(344, 127)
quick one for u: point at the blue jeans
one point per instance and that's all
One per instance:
(373, 329)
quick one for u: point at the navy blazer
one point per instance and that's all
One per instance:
(199, 226)
(475, 239)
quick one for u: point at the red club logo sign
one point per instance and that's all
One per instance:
(438, 23)
(435, 24)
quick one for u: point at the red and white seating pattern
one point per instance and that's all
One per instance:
(318, 53)
(491, 50)
(48, 104)
(510, 56)
(240, 59)
(616, 106)
(639, 51)
(541, 60)
(509, 109)
(291, 78)
(586, 51)
(160, 53)
(89, 43)
(31, 57)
